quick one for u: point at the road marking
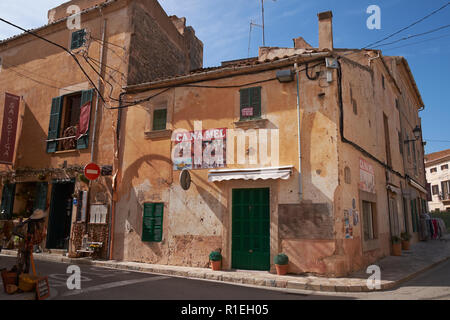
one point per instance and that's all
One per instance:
(112, 285)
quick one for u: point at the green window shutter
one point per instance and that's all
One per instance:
(414, 215)
(250, 99)
(152, 225)
(255, 100)
(40, 201)
(159, 119)
(55, 124)
(86, 96)
(78, 39)
(9, 192)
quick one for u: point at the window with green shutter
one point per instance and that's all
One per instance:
(78, 39)
(159, 119)
(152, 226)
(40, 201)
(66, 116)
(8, 194)
(250, 103)
(55, 123)
(86, 96)
(414, 215)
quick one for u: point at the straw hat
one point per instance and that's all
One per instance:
(38, 214)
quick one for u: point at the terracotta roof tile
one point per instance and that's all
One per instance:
(437, 155)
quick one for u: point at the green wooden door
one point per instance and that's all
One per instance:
(251, 229)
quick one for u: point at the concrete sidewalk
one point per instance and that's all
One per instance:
(394, 270)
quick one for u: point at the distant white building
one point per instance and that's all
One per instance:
(438, 176)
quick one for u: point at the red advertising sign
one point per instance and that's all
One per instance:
(92, 171)
(247, 112)
(9, 128)
(204, 149)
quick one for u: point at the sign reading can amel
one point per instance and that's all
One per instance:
(204, 149)
(366, 176)
(9, 128)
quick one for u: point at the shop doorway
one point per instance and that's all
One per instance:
(251, 229)
(60, 218)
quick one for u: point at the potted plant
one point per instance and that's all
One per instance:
(281, 263)
(216, 260)
(396, 246)
(406, 237)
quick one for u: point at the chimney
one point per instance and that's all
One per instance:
(326, 30)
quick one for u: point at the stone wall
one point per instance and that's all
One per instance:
(159, 49)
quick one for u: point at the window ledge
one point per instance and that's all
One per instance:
(66, 151)
(250, 124)
(160, 134)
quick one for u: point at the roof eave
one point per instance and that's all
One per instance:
(225, 72)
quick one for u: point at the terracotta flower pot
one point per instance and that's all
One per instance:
(405, 245)
(216, 265)
(396, 249)
(281, 269)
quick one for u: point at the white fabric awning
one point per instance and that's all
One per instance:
(417, 186)
(283, 173)
(394, 189)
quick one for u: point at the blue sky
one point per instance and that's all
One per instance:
(224, 26)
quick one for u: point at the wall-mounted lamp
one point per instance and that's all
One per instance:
(417, 132)
(285, 75)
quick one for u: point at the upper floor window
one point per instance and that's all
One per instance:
(433, 170)
(78, 39)
(159, 119)
(70, 117)
(250, 103)
(444, 167)
(382, 82)
(435, 189)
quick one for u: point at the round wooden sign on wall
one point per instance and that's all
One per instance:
(185, 179)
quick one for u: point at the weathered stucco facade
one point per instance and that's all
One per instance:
(38, 72)
(349, 124)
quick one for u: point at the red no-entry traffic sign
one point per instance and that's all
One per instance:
(92, 171)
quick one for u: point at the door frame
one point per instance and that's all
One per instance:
(52, 208)
(269, 189)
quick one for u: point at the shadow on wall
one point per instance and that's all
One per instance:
(32, 142)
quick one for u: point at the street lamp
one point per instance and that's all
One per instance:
(417, 133)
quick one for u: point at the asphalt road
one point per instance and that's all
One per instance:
(110, 284)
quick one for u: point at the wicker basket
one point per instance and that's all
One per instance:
(8, 278)
(27, 282)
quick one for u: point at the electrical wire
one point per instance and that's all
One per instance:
(113, 44)
(411, 25)
(418, 42)
(38, 81)
(97, 62)
(133, 103)
(415, 35)
(399, 31)
(61, 47)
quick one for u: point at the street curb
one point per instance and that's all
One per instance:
(319, 285)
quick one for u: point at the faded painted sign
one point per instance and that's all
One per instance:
(9, 129)
(204, 149)
(366, 176)
(348, 228)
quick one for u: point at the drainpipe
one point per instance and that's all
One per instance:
(99, 83)
(300, 187)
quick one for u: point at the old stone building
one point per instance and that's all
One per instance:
(294, 151)
(69, 93)
(438, 176)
